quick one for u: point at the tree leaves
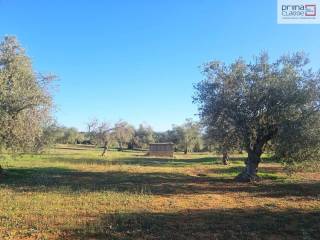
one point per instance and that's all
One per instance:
(25, 101)
(261, 101)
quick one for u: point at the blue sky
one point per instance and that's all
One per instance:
(138, 60)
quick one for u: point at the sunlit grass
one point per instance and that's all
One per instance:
(71, 192)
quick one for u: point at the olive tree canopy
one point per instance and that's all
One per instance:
(144, 135)
(263, 102)
(25, 99)
(123, 133)
(189, 135)
(101, 133)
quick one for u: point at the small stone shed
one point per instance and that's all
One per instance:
(161, 149)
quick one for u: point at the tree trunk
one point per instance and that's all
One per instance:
(105, 149)
(185, 148)
(240, 150)
(249, 174)
(120, 146)
(225, 158)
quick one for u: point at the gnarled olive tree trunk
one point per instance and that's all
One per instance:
(105, 148)
(225, 158)
(120, 146)
(250, 171)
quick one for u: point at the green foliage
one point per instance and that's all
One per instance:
(54, 133)
(101, 133)
(259, 102)
(144, 135)
(123, 133)
(190, 136)
(25, 99)
(70, 135)
(186, 137)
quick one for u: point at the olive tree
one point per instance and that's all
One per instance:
(144, 135)
(123, 133)
(264, 101)
(190, 135)
(25, 99)
(70, 135)
(52, 134)
(103, 135)
(224, 137)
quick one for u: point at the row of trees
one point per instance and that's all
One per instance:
(186, 137)
(64, 135)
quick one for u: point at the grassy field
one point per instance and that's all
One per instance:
(73, 193)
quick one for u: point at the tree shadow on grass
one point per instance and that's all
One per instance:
(56, 158)
(76, 148)
(169, 162)
(141, 160)
(258, 223)
(227, 170)
(137, 161)
(52, 179)
(271, 173)
(156, 183)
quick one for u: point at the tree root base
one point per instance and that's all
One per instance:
(245, 177)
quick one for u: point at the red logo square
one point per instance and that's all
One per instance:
(311, 10)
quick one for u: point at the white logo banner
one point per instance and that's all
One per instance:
(298, 11)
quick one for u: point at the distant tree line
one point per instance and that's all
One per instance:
(187, 137)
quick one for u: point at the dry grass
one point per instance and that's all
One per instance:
(72, 193)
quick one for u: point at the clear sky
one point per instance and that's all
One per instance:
(138, 60)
